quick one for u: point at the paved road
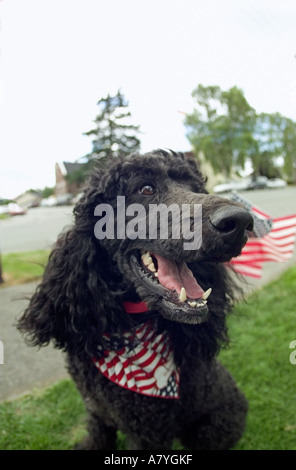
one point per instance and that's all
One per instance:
(35, 230)
(25, 368)
(276, 202)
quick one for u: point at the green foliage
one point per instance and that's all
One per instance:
(229, 131)
(79, 176)
(289, 150)
(113, 135)
(221, 127)
(46, 192)
(3, 202)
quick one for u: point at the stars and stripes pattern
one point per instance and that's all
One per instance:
(272, 239)
(144, 364)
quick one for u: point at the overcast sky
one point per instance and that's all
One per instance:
(59, 57)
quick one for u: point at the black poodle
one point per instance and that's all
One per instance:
(127, 294)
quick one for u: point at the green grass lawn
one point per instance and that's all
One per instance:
(259, 358)
(23, 267)
(261, 331)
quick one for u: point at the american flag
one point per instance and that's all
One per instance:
(272, 239)
(144, 364)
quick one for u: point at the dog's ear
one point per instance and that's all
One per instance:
(71, 285)
(69, 306)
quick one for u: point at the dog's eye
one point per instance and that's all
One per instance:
(147, 190)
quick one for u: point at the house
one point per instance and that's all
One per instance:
(206, 169)
(63, 186)
(28, 199)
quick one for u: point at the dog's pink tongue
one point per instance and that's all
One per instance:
(175, 276)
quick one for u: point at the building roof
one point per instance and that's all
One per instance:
(68, 167)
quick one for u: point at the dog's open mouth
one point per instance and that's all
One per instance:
(182, 297)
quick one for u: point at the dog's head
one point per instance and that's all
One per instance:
(155, 219)
(145, 230)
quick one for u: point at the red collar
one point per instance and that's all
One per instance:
(135, 307)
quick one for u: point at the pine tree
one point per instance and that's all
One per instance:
(113, 135)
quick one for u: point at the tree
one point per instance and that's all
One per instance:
(113, 135)
(222, 127)
(268, 133)
(46, 192)
(229, 131)
(289, 150)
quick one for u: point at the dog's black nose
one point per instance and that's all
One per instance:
(231, 221)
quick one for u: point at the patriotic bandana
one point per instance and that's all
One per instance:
(144, 364)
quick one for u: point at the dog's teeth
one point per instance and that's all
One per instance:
(192, 304)
(146, 258)
(151, 267)
(206, 294)
(182, 296)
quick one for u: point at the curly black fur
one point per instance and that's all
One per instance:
(81, 298)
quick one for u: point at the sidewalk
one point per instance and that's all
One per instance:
(26, 367)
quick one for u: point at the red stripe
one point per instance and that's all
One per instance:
(247, 273)
(138, 378)
(280, 245)
(269, 257)
(285, 217)
(111, 363)
(259, 211)
(278, 229)
(272, 236)
(267, 249)
(142, 353)
(119, 376)
(242, 260)
(135, 307)
(282, 238)
(149, 360)
(139, 354)
(271, 243)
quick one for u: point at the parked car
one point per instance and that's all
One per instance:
(64, 199)
(77, 198)
(48, 202)
(231, 186)
(259, 182)
(276, 183)
(12, 208)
